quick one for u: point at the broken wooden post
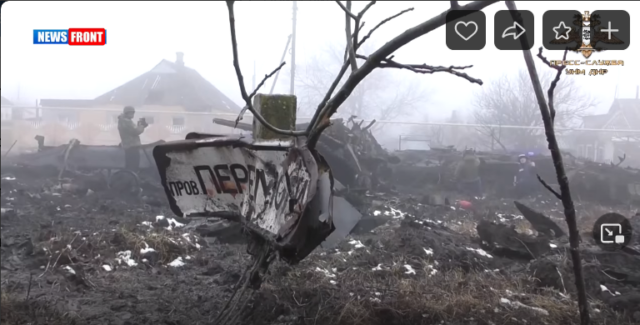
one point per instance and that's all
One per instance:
(277, 110)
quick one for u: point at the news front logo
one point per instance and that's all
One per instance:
(71, 36)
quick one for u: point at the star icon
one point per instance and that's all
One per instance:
(565, 31)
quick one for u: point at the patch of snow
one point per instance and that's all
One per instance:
(480, 252)
(124, 257)
(326, 272)
(174, 224)
(377, 213)
(147, 249)
(377, 268)
(429, 251)
(553, 245)
(333, 282)
(158, 218)
(69, 269)
(517, 304)
(107, 267)
(605, 289)
(356, 243)
(177, 262)
(410, 269)
(432, 270)
(147, 223)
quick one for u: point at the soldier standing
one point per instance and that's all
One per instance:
(130, 137)
(467, 175)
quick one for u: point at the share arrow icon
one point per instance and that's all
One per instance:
(516, 31)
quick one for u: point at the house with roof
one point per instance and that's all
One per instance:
(620, 133)
(172, 97)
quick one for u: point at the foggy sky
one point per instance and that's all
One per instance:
(140, 34)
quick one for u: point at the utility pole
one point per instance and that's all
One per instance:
(284, 55)
(254, 75)
(293, 49)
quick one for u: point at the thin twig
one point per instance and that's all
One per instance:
(554, 83)
(563, 181)
(526, 247)
(366, 37)
(267, 76)
(347, 10)
(243, 91)
(255, 91)
(29, 287)
(426, 69)
(350, 47)
(561, 280)
(549, 188)
(322, 120)
(365, 9)
(360, 25)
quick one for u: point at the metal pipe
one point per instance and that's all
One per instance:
(275, 79)
(293, 49)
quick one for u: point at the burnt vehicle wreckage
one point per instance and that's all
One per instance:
(283, 183)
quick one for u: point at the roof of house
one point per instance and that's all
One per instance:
(623, 114)
(6, 101)
(170, 84)
(595, 121)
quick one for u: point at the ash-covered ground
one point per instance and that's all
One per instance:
(75, 253)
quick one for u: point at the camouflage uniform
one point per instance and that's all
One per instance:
(467, 175)
(130, 138)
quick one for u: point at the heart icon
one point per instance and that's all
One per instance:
(466, 24)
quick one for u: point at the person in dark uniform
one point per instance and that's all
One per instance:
(525, 179)
(130, 137)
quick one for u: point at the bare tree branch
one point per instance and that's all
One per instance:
(350, 37)
(322, 120)
(243, 91)
(359, 27)
(255, 91)
(510, 101)
(563, 181)
(554, 83)
(425, 69)
(347, 9)
(366, 37)
(366, 8)
(549, 188)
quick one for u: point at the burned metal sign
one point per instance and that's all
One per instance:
(267, 184)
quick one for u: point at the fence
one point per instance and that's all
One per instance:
(99, 127)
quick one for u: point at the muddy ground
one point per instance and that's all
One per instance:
(75, 255)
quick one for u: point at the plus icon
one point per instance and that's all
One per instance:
(609, 30)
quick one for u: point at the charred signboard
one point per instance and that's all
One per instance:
(267, 186)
